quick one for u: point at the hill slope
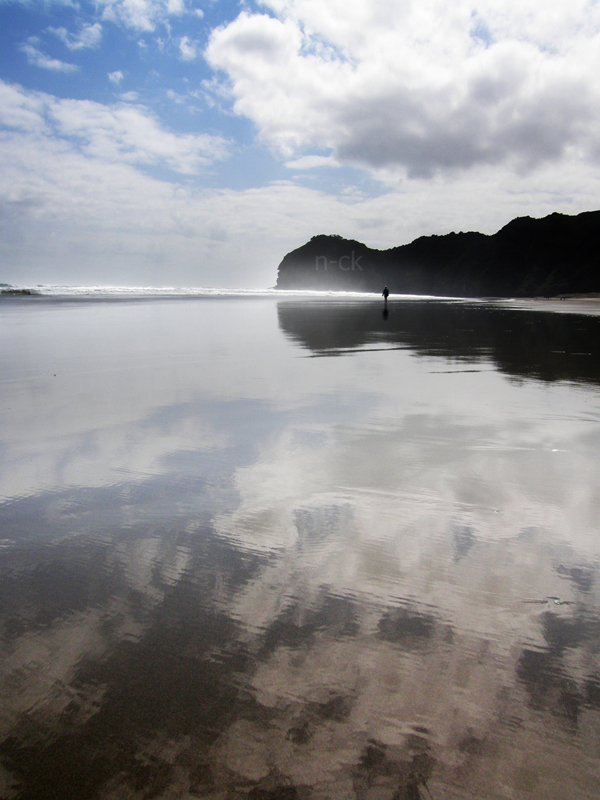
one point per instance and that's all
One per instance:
(558, 254)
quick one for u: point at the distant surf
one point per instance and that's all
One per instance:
(150, 292)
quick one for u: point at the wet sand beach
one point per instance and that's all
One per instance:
(275, 548)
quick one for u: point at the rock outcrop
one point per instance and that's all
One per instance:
(556, 255)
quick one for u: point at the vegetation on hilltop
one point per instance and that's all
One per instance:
(529, 257)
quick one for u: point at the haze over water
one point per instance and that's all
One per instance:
(292, 548)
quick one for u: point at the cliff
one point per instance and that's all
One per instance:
(527, 258)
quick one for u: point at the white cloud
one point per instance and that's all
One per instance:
(21, 110)
(175, 7)
(180, 99)
(89, 36)
(115, 133)
(421, 86)
(129, 133)
(141, 15)
(39, 59)
(115, 77)
(187, 48)
(310, 162)
(77, 208)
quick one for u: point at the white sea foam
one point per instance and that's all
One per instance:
(135, 292)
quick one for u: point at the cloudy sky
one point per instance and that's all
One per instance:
(195, 142)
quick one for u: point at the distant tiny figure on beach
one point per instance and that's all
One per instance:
(385, 293)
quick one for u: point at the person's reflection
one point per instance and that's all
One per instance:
(385, 312)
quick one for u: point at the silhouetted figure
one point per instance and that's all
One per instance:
(385, 294)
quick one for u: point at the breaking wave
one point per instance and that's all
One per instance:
(134, 292)
(150, 292)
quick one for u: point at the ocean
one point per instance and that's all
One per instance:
(265, 545)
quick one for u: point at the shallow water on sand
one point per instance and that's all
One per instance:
(268, 549)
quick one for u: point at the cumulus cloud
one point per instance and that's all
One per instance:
(113, 133)
(141, 15)
(89, 36)
(39, 59)
(187, 48)
(115, 77)
(129, 133)
(78, 205)
(422, 86)
(310, 162)
(21, 110)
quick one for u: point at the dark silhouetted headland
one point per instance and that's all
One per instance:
(529, 257)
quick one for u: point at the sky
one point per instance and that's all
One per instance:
(196, 142)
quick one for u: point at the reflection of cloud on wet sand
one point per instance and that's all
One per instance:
(313, 578)
(114, 645)
(351, 676)
(412, 494)
(96, 452)
(403, 568)
(448, 696)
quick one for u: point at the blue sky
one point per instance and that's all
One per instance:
(193, 143)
